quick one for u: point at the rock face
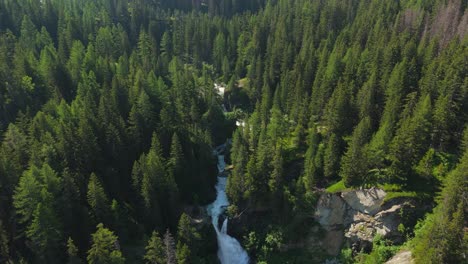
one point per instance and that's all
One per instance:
(402, 257)
(365, 201)
(355, 217)
(332, 241)
(330, 211)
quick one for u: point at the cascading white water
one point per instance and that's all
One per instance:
(229, 249)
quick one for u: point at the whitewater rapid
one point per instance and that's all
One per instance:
(229, 249)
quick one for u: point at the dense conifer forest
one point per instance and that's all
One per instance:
(109, 116)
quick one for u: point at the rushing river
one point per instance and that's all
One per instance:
(229, 249)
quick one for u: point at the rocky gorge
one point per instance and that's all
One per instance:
(346, 219)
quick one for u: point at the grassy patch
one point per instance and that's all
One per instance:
(338, 187)
(388, 187)
(398, 191)
(393, 195)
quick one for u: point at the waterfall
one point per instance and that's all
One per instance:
(229, 249)
(224, 228)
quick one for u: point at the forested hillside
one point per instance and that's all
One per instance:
(349, 94)
(108, 117)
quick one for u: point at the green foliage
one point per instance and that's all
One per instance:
(186, 233)
(251, 242)
(273, 241)
(35, 204)
(97, 200)
(276, 176)
(426, 164)
(27, 194)
(105, 247)
(354, 167)
(155, 251)
(45, 232)
(72, 252)
(398, 194)
(183, 253)
(410, 141)
(4, 241)
(445, 226)
(331, 157)
(312, 163)
(382, 250)
(346, 256)
(344, 92)
(337, 187)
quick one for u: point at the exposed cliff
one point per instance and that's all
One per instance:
(355, 217)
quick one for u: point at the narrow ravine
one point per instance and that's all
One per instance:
(229, 249)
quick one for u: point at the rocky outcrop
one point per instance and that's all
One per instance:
(402, 257)
(365, 201)
(330, 211)
(355, 217)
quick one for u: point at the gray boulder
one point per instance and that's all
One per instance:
(368, 201)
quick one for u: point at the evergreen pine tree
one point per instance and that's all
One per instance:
(105, 247)
(97, 200)
(72, 252)
(155, 250)
(354, 166)
(332, 156)
(311, 172)
(45, 231)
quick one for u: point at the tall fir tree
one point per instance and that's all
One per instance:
(105, 247)
(98, 200)
(155, 250)
(354, 167)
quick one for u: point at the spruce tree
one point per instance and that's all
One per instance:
(332, 156)
(105, 247)
(97, 200)
(27, 195)
(410, 142)
(186, 233)
(311, 172)
(445, 226)
(72, 252)
(276, 178)
(354, 167)
(45, 231)
(183, 253)
(176, 166)
(155, 250)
